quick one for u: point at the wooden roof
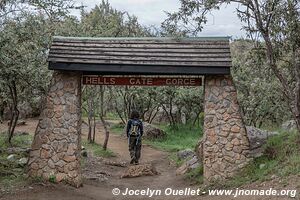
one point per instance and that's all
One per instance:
(145, 56)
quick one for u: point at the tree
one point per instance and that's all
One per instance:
(105, 21)
(259, 94)
(190, 102)
(21, 64)
(89, 105)
(101, 114)
(26, 28)
(276, 22)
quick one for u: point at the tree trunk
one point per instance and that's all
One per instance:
(94, 128)
(90, 130)
(15, 111)
(102, 118)
(293, 98)
(90, 121)
(173, 120)
(196, 119)
(116, 106)
(106, 133)
(153, 117)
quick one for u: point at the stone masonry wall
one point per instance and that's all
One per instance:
(225, 142)
(56, 147)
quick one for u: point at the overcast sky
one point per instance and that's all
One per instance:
(223, 22)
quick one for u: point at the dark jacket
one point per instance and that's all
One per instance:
(140, 124)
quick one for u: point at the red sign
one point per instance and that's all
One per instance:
(141, 81)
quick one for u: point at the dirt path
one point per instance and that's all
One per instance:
(93, 189)
(102, 189)
(159, 159)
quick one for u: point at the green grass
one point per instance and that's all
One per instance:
(9, 182)
(23, 141)
(174, 158)
(179, 138)
(281, 158)
(12, 175)
(195, 175)
(112, 116)
(118, 128)
(98, 150)
(108, 116)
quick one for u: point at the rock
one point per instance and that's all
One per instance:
(257, 139)
(17, 170)
(20, 133)
(114, 163)
(19, 123)
(22, 162)
(162, 117)
(69, 158)
(289, 125)
(82, 148)
(11, 157)
(152, 132)
(103, 173)
(59, 177)
(188, 166)
(84, 153)
(274, 176)
(140, 170)
(193, 163)
(182, 169)
(261, 166)
(18, 150)
(100, 178)
(184, 154)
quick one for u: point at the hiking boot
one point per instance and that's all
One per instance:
(132, 161)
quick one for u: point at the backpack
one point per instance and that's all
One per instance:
(135, 128)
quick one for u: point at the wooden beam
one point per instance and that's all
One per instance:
(142, 62)
(145, 46)
(142, 39)
(134, 59)
(143, 54)
(162, 50)
(103, 69)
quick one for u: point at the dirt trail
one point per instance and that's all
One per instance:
(102, 190)
(159, 159)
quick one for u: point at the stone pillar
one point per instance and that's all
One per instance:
(55, 150)
(225, 141)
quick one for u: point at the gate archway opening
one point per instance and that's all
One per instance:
(138, 61)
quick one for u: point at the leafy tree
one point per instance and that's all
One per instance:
(275, 22)
(105, 21)
(25, 36)
(22, 62)
(259, 93)
(190, 102)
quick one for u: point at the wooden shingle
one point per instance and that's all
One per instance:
(195, 56)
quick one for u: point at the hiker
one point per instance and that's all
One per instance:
(134, 134)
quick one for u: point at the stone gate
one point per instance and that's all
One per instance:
(57, 142)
